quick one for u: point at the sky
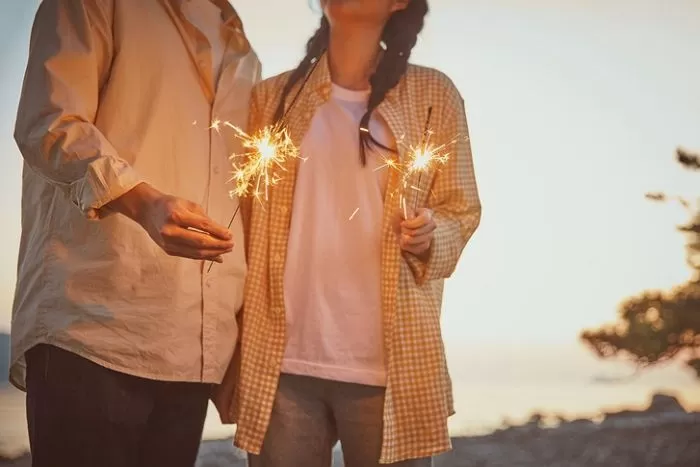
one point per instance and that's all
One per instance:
(575, 109)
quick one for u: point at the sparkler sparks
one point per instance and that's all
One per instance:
(266, 153)
(216, 125)
(421, 160)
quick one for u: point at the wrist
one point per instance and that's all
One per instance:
(132, 204)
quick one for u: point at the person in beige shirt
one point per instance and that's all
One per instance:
(119, 327)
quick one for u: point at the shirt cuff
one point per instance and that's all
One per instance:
(106, 179)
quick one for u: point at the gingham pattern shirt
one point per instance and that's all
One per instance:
(419, 394)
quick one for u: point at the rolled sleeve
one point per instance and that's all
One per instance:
(69, 60)
(107, 179)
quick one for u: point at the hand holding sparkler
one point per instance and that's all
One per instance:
(418, 226)
(179, 227)
(417, 232)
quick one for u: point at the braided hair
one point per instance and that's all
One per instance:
(398, 40)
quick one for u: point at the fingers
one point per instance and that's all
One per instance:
(417, 232)
(174, 235)
(193, 217)
(417, 249)
(426, 229)
(193, 253)
(423, 217)
(412, 240)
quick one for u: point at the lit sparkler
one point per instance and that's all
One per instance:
(267, 152)
(265, 156)
(421, 160)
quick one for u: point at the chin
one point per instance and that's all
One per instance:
(340, 11)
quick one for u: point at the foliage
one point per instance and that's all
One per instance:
(658, 326)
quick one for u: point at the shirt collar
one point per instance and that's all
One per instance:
(320, 81)
(228, 13)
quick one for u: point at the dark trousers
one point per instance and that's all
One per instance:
(81, 414)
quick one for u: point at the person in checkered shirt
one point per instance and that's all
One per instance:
(340, 335)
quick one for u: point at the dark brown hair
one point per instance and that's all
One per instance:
(398, 40)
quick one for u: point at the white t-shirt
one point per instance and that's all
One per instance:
(333, 269)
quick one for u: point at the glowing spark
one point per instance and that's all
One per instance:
(194, 122)
(267, 150)
(354, 214)
(388, 163)
(215, 125)
(266, 153)
(421, 159)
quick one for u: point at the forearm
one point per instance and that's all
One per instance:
(131, 203)
(68, 63)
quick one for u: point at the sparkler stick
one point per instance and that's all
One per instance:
(423, 147)
(229, 226)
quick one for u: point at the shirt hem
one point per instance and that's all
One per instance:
(20, 382)
(334, 373)
(425, 453)
(249, 445)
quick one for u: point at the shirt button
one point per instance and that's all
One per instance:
(278, 257)
(216, 170)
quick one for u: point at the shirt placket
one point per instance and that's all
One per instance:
(218, 159)
(203, 59)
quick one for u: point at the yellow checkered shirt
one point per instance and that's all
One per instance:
(419, 393)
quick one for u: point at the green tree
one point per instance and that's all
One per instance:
(657, 325)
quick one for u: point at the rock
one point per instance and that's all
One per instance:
(664, 403)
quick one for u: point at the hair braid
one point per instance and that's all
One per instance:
(315, 47)
(399, 37)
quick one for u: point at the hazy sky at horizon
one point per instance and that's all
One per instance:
(575, 110)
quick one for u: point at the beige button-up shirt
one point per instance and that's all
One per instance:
(118, 92)
(418, 392)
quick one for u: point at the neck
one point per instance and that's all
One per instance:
(353, 55)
